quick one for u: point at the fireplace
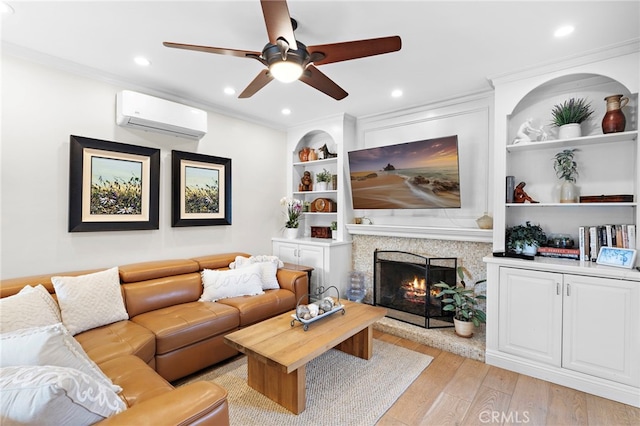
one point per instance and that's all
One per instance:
(403, 283)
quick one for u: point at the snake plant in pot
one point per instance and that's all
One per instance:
(568, 115)
(463, 301)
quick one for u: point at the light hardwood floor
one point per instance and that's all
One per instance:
(454, 390)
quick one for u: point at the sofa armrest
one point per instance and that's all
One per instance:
(200, 403)
(296, 281)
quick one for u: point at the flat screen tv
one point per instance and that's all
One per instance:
(413, 175)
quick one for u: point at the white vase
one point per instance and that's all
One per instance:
(569, 131)
(321, 186)
(529, 249)
(291, 233)
(568, 192)
(463, 328)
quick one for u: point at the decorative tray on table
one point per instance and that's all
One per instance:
(306, 314)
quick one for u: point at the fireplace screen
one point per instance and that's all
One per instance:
(403, 283)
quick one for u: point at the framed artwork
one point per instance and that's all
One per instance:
(112, 186)
(614, 256)
(200, 189)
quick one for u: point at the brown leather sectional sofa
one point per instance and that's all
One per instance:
(170, 334)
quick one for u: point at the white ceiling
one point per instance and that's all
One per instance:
(449, 48)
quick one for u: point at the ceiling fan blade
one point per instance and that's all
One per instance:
(337, 52)
(314, 78)
(258, 83)
(210, 49)
(278, 22)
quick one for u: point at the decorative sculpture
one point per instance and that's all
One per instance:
(306, 183)
(526, 128)
(326, 152)
(520, 195)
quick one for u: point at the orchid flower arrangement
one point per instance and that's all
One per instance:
(294, 210)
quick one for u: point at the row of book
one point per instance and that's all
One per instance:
(591, 238)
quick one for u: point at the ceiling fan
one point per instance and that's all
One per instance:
(287, 59)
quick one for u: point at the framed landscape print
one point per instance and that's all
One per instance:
(201, 190)
(112, 186)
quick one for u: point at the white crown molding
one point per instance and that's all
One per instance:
(596, 55)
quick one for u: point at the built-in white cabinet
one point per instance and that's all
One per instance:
(551, 320)
(331, 261)
(585, 324)
(530, 315)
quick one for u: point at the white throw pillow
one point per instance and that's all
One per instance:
(268, 267)
(90, 301)
(31, 307)
(52, 395)
(241, 260)
(49, 345)
(231, 283)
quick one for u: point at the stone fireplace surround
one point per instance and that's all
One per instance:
(469, 254)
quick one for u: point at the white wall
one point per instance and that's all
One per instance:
(470, 119)
(42, 106)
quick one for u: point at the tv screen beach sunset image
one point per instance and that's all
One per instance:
(413, 175)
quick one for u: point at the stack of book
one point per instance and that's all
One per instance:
(591, 238)
(559, 252)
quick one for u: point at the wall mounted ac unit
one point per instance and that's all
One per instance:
(144, 112)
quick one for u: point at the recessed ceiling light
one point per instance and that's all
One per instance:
(396, 93)
(229, 91)
(286, 111)
(142, 61)
(563, 31)
(5, 9)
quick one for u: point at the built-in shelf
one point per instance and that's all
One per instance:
(316, 162)
(328, 191)
(318, 213)
(582, 141)
(433, 233)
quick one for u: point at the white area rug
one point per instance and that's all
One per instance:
(341, 389)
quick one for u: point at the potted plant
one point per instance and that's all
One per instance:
(293, 213)
(567, 169)
(525, 238)
(463, 302)
(334, 230)
(568, 115)
(323, 178)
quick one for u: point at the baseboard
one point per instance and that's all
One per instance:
(594, 385)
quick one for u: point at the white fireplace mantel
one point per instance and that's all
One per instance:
(425, 232)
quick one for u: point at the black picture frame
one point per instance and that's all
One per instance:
(112, 186)
(200, 190)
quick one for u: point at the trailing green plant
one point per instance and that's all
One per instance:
(525, 234)
(334, 226)
(462, 301)
(323, 176)
(564, 165)
(571, 111)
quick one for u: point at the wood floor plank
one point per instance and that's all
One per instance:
(485, 405)
(566, 406)
(467, 380)
(501, 380)
(446, 410)
(502, 397)
(414, 403)
(601, 411)
(529, 402)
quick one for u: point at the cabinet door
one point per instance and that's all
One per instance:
(287, 252)
(530, 314)
(602, 328)
(313, 256)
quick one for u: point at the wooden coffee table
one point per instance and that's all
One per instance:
(277, 353)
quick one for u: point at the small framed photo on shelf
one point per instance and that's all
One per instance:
(614, 256)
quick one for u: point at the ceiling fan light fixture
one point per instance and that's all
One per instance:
(285, 71)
